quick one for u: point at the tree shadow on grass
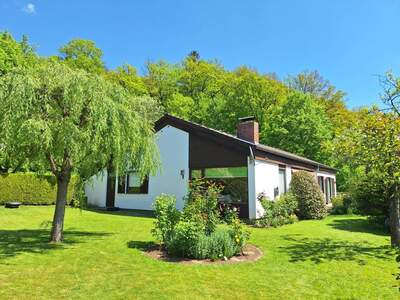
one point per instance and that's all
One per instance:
(142, 245)
(319, 250)
(124, 212)
(15, 242)
(358, 225)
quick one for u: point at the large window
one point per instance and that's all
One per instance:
(131, 184)
(232, 179)
(282, 181)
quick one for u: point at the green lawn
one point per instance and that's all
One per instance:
(339, 257)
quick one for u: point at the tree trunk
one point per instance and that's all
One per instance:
(61, 201)
(395, 220)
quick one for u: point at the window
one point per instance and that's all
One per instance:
(121, 184)
(328, 190)
(327, 185)
(232, 179)
(225, 172)
(131, 184)
(321, 183)
(282, 181)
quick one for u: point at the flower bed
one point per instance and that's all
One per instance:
(250, 253)
(195, 232)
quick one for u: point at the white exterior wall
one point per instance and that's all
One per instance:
(96, 190)
(263, 177)
(173, 145)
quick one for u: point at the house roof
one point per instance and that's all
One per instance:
(168, 119)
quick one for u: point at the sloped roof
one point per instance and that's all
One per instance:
(168, 119)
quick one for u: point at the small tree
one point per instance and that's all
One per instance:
(378, 146)
(311, 204)
(70, 121)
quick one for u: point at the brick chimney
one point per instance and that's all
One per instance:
(247, 129)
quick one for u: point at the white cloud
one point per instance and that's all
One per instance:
(29, 8)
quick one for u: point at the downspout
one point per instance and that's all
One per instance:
(252, 198)
(252, 159)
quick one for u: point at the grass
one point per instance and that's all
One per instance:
(339, 257)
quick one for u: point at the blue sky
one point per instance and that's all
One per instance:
(348, 42)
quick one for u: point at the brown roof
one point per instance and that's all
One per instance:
(168, 119)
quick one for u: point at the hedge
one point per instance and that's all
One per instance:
(30, 188)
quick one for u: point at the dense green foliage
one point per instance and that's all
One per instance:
(299, 126)
(278, 212)
(31, 188)
(311, 204)
(55, 116)
(194, 233)
(344, 203)
(322, 259)
(374, 145)
(83, 54)
(14, 54)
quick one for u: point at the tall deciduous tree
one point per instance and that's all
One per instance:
(391, 92)
(127, 77)
(246, 92)
(83, 54)
(299, 126)
(71, 121)
(14, 54)
(326, 94)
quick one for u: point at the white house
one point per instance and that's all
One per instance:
(188, 150)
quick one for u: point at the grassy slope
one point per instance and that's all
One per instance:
(340, 257)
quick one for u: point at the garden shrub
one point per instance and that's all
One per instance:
(278, 212)
(194, 233)
(167, 216)
(184, 238)
(202, 203)
(369, 196)
(217, 245)
(343, 204)
(33, 189)
(311, 203)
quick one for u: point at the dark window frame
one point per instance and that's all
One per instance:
(283, 169)
(216, 179)
(123, 187)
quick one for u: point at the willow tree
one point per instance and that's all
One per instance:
(69, 121)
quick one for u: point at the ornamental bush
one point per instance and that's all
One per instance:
(33, 189)
(167, 216)
(311, 203)
(278, 212)
(202, 203)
